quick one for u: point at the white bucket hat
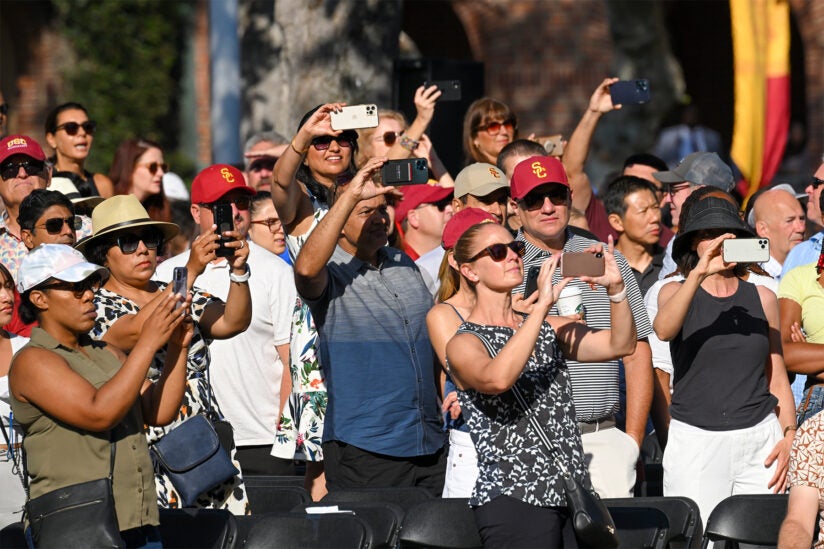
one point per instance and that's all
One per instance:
(55, 261)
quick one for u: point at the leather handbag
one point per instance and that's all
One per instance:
(80, 515)
(193, 459)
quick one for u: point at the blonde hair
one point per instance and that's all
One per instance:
(365, 152)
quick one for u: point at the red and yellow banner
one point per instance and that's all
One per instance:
(761, 52)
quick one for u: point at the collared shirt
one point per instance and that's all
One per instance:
(377, 357)
(649, 276)
(594, 385)
(773, 267)
(12, 249)
(806, 252)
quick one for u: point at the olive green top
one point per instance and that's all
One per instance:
(59, 455)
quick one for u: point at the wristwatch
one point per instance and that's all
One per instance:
(241, 278)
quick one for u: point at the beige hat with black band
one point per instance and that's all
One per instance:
(122, 212)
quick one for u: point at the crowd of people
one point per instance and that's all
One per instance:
(384, 336)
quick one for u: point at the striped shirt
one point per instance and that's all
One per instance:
(594, 385)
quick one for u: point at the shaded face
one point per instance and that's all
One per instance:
(29, 174)
(675, 195)
(544, 216)
(511, 161)
(70, 304)
(147, 177)
(326, 165)
(645, 172)
(494, 203)
(266, 229)
(135, 268)
(431, 218)
(77, 146)
(502, 272)
(6, 300)
(782, 221)
(41, 233)
(365, 230)
(259, 174)
(239, 201)
(491, 138)
(642, 220)
(380, 141)
(813, 191)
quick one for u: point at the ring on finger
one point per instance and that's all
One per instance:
(242, 244)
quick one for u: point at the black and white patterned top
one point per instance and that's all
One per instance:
(512, 461)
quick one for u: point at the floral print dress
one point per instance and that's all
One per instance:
(231, 494)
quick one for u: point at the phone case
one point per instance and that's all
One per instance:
(450, 89)
(355, 117)
(575, 264)
(410, 171)
(223, 219)
(630, 92)
(554, 144)
(179, 276)
(531, 281)
(746, 250)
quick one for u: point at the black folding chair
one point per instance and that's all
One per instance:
(683, 517)
(754, 519)
(440, 523)
(404, 497)
(384, 519)
(640, 527)
(302, 531)
(198, 528)
(271, 494)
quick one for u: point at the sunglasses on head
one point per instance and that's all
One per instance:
(154, 166)
(9, 170)
(498, 252)
(4, 108)
(558, 195)
(389, 138)
(495, 127)
(241, 202)
(79, 289)
(129, 242)
(816, 182)
(267, 164)
(71, 128)
(322, 143)
(54, 225)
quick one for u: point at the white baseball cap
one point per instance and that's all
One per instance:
(55, 261)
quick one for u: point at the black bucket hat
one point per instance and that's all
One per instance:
(709, 213)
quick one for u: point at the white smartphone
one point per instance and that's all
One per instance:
(355, 117)
(746, 250)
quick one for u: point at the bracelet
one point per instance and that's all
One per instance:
(619, 297)
(300, 153)
(408, 143)
(790, 428)
(241, 278)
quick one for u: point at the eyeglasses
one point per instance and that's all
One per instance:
(79, 289)
(4, 108)
(154, 166)
(389, 138)
(9, 170)
(322, 143)
(273, 223)
(494, 127)
(440, 204)
(54, 225)
(72, 128)
(558, 195)
(498, 252)
(672, 190)
(241, 202)
(129, 242)
(816, 182)
(267, 164)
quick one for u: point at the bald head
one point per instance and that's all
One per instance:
(779, 217)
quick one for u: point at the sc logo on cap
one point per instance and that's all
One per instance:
(495, 173)
(227, 175)
(539, 170)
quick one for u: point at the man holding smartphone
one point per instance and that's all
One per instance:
(542, 196)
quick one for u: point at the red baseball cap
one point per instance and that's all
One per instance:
(415, 195)
(461, 221)
(534, 172)
(20, 144)
(212, 183)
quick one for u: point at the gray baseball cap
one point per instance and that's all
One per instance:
(699, 168)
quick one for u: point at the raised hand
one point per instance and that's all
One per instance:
(362, 186)
(611, 279)
(159, 327)
(547, 291)
(201, 253)
(425, 99)
(601, 100)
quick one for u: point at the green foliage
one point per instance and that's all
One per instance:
(127, 74)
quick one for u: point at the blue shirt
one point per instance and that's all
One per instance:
(806, 252)
(376, 356)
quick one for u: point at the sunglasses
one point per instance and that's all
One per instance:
(129, 242)
(816, 182)
(498, 252)
(322, 143)
(389, 138)
(4, 108)
(267, 164)
(72, 128)
(154, 166)
(79, 289)
(558, 195)
(273, 223)
(241, 202)
(494, 127)
(55, 224)
(9, 170)
(440, 204)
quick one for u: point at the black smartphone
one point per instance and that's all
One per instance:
(224, 220)
(630, 92)
(450, 89)
(409, 171)
(532, 281)
(180, 276)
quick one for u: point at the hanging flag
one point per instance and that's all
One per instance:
(761, 52)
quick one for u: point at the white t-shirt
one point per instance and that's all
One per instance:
(429, 264)
(17, 343)
(246, 370)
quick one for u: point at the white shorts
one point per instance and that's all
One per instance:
(461, 466)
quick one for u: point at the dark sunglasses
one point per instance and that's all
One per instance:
(55, 224)
(558, 195)
(498, 251)
(4, 108)
(241, 202)
(267, 164)
(440, 204)
(816, 182)
(9, 170)
(322, 143)
(495, 127)
(72, 128)
(389, 138)
(154, 166)
(79, 289)
(129, 242)
(272, 223)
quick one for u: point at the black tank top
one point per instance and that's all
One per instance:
(84, 183)
(719, 358)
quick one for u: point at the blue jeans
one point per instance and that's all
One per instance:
(811, 404)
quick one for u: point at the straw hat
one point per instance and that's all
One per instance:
(119, 213)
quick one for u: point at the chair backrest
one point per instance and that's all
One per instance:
(747, 518)
(640, 527)
(302, 531)
(274, 480)
(270, 497)
(682, 514)
(12, 536)
(198, 528)
(434, 523)
(405, 497)
(384, 519)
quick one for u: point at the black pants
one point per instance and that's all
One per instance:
(509, 522)
(256, 460)
(348, 466)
